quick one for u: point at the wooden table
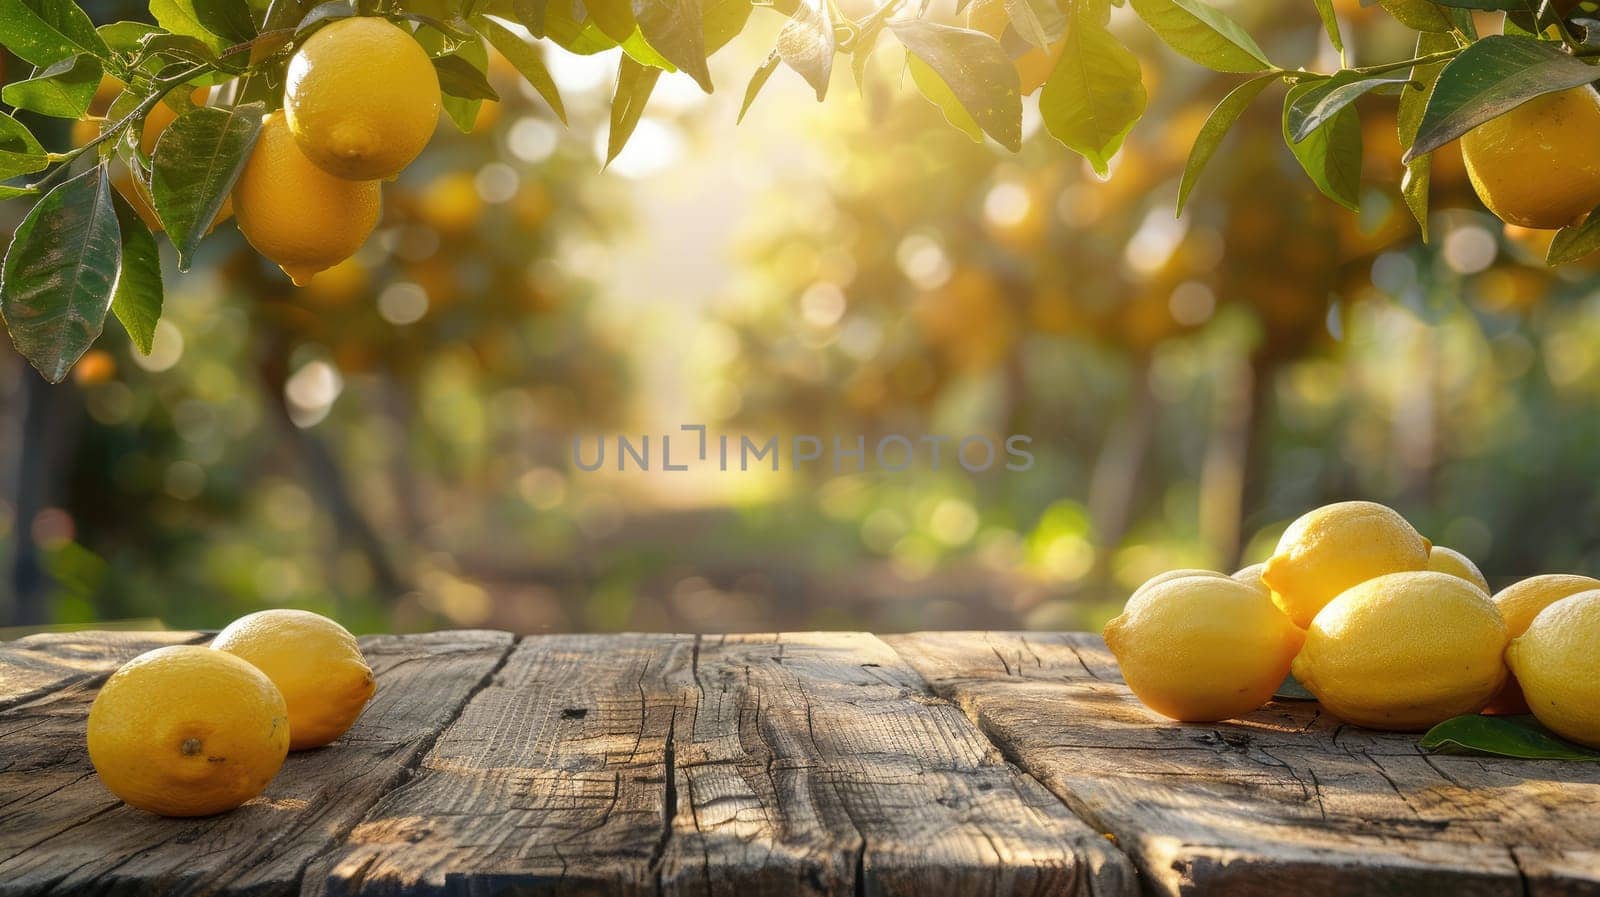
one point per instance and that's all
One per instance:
(926, 765)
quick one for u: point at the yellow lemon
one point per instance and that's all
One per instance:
(1335, 547)
(362, 98)
(1558, 663)
(314, 661)
(187, 731)
(1534, 166)
(1405, 651)
(1251, 576)
(296, 214)
(1448, 560)
(1202, 648)
(1169, 576)
(1519, 603)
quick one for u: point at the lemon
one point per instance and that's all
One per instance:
(187, 731)
(362, 98)
(1202, 648)
(1557, 661)
(1534, 166)
(1337, 546)
(1405, 651)
(1448, 560)
(314, 661)
(1170, 576)
(295, 213)
(1251, 576)
(1519, 603)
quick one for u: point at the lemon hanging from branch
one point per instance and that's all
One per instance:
(1535, 166)
(362, 98)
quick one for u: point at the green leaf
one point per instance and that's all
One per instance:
(460, 78)
(635, 82)
(977, 72)
(614, 17)
(1519, 737)
(939, 94)
(526, 59)
(758, 81)
(644, 54)
(181, 17)
(62, 90)
(1216, 127)
(1487, 5)
(1094, 94)
(20, 151)
(227, 19)
(1490, 78)
(1327, 97)
(722, 21)
(45, 32)
(196, 162)
(1203, 34)
(124, 37)
(1039, 22)
(1292, 690)
(674, 28)
(12, 192)
(138, 297)
(1330, 24)
(1331, 154)
(1574, 242)
(60, 272)
(807, 44)
(1414, 186)
(1418, 15)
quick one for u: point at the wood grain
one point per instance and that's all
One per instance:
(64, 833)
(820, 764)
(1285, 801)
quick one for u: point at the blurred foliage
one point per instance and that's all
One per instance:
(393, 445)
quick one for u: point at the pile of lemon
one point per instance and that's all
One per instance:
(1387, 630)
(189, 730)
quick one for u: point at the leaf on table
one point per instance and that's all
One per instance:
(1518, 737)
(974, 69)
(676, 30)
(808, 44)
(60, 272)
(1094, 95)
(20, 151)
(138, 298)
(1217, 125)
(62, 90)
(526, 59)
(1203, 34)
(1490, 78)
(196, 162)
(44, 32)
(635, 82)
(1331, 154)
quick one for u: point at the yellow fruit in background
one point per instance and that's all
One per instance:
(1535, 166)
(314, 661)
(187, 731)
(989, 17)
(1519, 604)
(1251, 576)
(1202, 648)
(1170, 576)
(1448, 560)
(1405, 651)
(1335, 547)
(1558, 663)
(1034, 66)
(296, 214)
(450, 203)
(362, 98)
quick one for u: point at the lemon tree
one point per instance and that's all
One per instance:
(358, 81)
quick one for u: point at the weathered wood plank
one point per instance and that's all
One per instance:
(820, 764)
(37, 665)
(1286, 801)
(552, 780)
(65, 834)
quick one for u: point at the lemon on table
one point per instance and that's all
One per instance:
(296, 214)
(1448, 560)
(187, 731)
(1534, 166)
(1519, 603)
(1405, 651)
(1335, 547)
(314, 661)
(362, 98)
(1202, 648)
(1557, 661)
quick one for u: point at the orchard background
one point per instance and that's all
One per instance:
(591, 245)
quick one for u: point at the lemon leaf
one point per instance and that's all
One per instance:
(1414, 186)
(1330, 154)
(45, 32)
(1094, 94)
(62, 90)
(977, 72)
(1418, 15)
(758, 81)
(196, 162)
(1203, 34)
(635, 82)
(527, 60)
(1520, 737)
(676, 30)
(1330, 24)
(138, 297)
(20, 151)
(1325, 98)
(1573, 243)
(807, 44)
(60, 272)
(1217, 125)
